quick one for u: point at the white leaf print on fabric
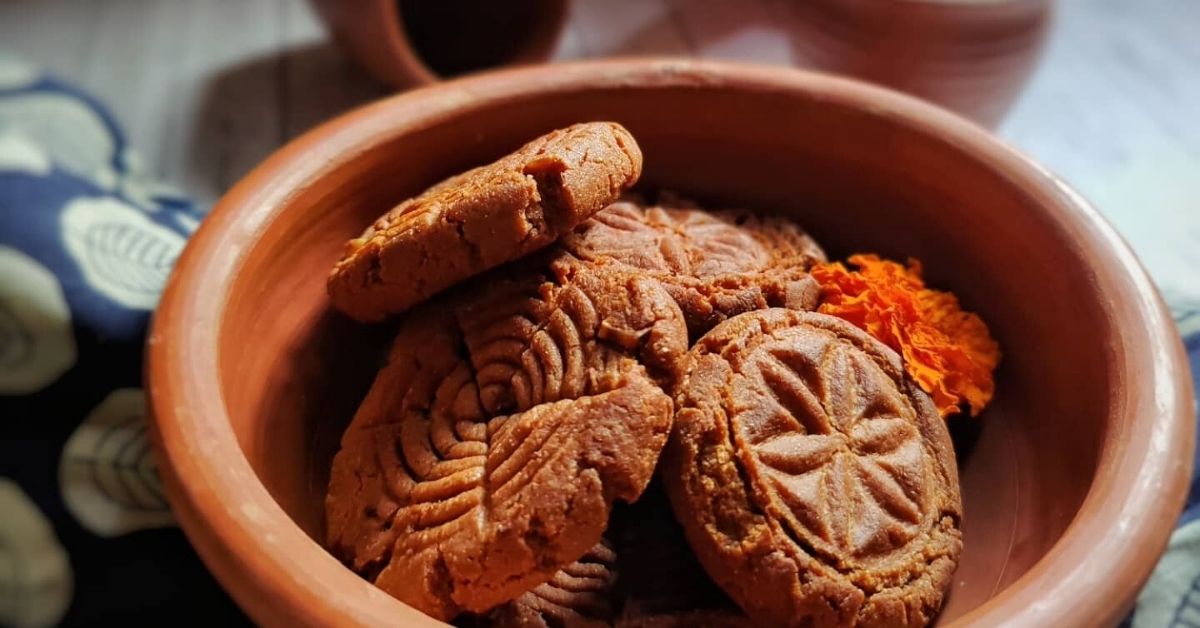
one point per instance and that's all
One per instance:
(14, 73)
(123, 254)
(1187, 319)
(137, 185)
(36, 581)
(186, 222)
(71, 132)
(36, 342)
(18, 154)
(107, 473)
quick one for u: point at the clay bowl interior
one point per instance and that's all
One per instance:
(1071, 479)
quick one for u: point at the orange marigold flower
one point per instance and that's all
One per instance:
(947, 351)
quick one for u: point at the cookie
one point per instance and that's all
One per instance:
(815, 482)
(662, 584)
(714, 264)
(510, 416)
(483, 218)
(579, 595)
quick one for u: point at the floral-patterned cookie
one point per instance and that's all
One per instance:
(815, 481)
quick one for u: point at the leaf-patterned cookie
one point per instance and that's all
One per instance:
(107, 473)
(816, 482)
(490, 449)
(714, 264)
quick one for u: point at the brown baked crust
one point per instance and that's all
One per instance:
(489, 451)
(714, 264)
(580, 595)
(815, 482)
(484, 217)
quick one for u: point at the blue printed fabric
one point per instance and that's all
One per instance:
(1172, 597)
(86, 243)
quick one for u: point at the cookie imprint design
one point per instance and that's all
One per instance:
(849, 468)
(36, 581)
(107, 473)
(490, 449)
(123, 254)
(580, 594)
(37, 344)
(806, 463)
(714, 264)
(683, 241)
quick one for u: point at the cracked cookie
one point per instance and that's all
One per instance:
(482, 218)
(816, 482)
(510, 416)
(714, 264)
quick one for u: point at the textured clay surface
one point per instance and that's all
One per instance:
(714, 264)
(815, 482)
(484, 217)
(510, 416)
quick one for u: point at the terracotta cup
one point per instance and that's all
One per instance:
(1072, 479)
(413, 42)
(972, 56)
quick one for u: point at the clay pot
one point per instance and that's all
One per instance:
(1072, 479)
(413, 42)
(972, 56)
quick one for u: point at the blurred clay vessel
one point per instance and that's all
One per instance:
(971, 56)
(408, 43)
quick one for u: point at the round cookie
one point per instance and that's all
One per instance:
(815, 481)
(489, 451)
(484, 217)
(714, 264)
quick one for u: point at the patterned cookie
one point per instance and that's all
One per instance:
(662, 584)
(490, 449)
(815, 482)
(579, 595)
(714, 264)
(483, 218)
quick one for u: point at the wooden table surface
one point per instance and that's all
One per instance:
(206, 88)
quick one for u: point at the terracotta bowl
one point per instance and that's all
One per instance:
(1072, 479)
(971, 56)
(413, 42)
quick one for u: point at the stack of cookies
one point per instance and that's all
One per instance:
(603, 411)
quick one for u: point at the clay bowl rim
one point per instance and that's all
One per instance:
(410, 63)
(275, 571)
